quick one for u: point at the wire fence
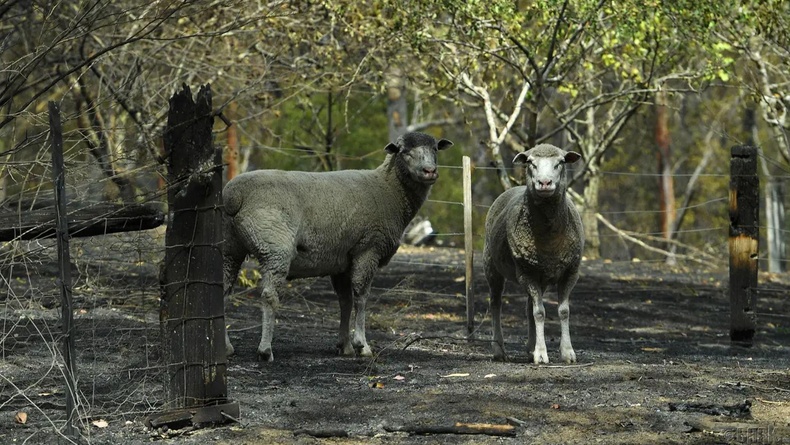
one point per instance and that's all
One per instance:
(116, 287)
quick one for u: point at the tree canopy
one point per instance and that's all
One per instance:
(305, 86)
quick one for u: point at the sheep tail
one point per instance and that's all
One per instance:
(232, 201)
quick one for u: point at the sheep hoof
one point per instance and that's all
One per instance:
(499, 353)
(266, 355)
(229, 350)
(568, 356)
(345, 349)
(365, 351)
(540, 357)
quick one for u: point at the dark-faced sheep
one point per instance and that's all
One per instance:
(344, 224)
(534, 237)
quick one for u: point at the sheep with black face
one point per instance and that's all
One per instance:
(534, 237)
(343, 224)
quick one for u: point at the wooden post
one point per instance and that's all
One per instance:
(744, 236)
(64, 264)
(775, 224)
(469, 247)
(192, 314)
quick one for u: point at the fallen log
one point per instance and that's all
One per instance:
(457, 428)
(83, 220)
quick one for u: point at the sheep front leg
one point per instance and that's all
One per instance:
(536, 314)
(342, 285)
(564, 291)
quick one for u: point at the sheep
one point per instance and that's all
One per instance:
(343, 224)
(534, 237)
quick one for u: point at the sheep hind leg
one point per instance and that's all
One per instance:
(564, 292)
(270, 284)
(362, 275)
(342, 285)
(496, 284)
(231, 264)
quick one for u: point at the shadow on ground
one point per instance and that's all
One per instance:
(646, 338)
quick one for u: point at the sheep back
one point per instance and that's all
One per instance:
(328, 217)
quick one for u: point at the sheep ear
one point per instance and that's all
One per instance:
(392, 148)
(444, 143)
(571, 157)
(520, 158)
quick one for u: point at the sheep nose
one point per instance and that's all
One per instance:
(545, 184)
(430, 174)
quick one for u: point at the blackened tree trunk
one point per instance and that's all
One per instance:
(192, 314)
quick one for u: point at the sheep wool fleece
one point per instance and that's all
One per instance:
(534, 237)
(342, 224)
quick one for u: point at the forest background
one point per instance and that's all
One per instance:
(652, 93)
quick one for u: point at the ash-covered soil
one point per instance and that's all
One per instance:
(652, 343)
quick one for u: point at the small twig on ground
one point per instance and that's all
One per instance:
(772, 402)
(248, 328)
(761, 388)
(578, 365)
(321, 433)
(229, 417)
(444, 337)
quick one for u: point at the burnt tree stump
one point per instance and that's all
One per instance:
(192, 315)
(744, 242)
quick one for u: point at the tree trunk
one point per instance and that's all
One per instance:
(397, 107)
(495, 152)
(775, 221)
(191, 307)
(232, 150)
(592, 239)
(666, 192)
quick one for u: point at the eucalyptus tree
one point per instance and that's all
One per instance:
(758, 33)
(113, 65)
(565, 71)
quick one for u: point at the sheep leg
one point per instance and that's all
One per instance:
(362, 274)
(538, 318)
(564, 291)
(496, 284)
(342, 285)
(271, 282)
(232, 258)
(530, 326)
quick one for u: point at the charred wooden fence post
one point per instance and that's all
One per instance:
(64, 264)
(192, 315)
(744, 243)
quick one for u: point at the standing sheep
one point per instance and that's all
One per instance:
(344, 224)
(534, 237)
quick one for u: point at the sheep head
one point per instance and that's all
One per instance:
(416, 154)
(545, 174)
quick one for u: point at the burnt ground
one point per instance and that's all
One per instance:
(648, 339)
